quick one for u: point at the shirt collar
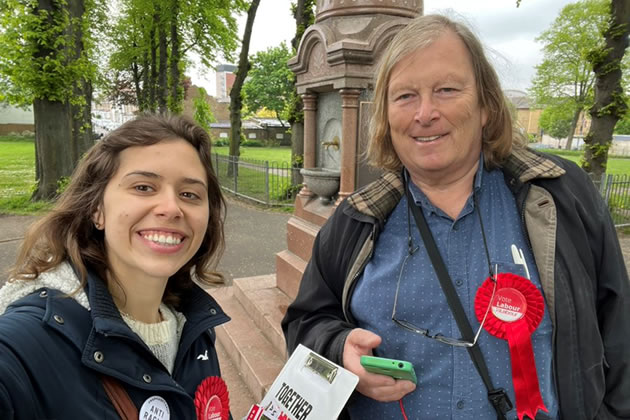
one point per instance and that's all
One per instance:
(421, 199)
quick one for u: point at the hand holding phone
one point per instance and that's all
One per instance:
(397, 369)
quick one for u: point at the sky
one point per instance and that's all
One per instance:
(507, 32)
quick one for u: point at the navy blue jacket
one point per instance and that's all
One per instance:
(54, 352)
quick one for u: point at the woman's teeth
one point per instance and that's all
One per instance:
(163, 239)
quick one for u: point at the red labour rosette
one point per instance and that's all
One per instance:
(515, 312)
(212, 399)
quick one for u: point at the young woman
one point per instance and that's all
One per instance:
(101, 316)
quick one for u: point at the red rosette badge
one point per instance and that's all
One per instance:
(515, 312)
(212, 399)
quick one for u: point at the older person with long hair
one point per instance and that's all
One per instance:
(102, 316)
(494, 269)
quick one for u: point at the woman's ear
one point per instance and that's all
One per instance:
(99, 219)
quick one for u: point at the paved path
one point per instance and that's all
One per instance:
(253, 237)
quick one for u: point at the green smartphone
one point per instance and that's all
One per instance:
(397, 369)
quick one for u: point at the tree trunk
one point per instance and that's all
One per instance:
(82, 138)
(176, 106)
(136, 83)
(576, 117)
(154, 65)
(62, 131)
(609, 104)
(235, 94)
(162, 85)
(297, 149)
(303, 16)
(53, 131)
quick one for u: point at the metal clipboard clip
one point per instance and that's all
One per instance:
(321, 367)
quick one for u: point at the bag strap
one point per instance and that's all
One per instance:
(497, 396)
(119, 397)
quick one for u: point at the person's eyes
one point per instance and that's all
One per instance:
(446, 90)
(189, 195)
(143, 188)
(404, 96)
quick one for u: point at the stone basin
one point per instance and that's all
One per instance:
(323, 182)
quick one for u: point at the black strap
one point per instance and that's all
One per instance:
(497, 396)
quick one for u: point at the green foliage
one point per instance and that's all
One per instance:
(556, 120)
(203, 114)
(623, 125)
(62, 184)
(565, 74)
(207, 28)
(270, 82)
(252, 143)
(220, 143)
(38, 55)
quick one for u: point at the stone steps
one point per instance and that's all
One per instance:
(252, 339)
(252, 344)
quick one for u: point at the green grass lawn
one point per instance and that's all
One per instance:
(616, 165)
(272, 154)
(17, 172)
(17, 176)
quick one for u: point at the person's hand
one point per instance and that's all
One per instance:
(382, 388)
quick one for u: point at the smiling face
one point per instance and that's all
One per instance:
(433, 111)
(154, 211)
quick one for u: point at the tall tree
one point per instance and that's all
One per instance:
(610, 103)
(236, 100)
(556, 120)
(152, 38)
(269, 82)
(46, 50)
(304, 14)
(565, 75)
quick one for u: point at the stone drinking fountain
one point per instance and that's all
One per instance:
(334, 67)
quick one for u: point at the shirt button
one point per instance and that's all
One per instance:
(460, 404)
(459, 282)
(146, 378)
(58, 319)
(213, 311)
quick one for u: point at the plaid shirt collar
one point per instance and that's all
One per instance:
(379, 199)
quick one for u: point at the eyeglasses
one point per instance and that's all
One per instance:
(439, 337)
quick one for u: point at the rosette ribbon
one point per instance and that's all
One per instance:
(212, 399)
(515, 312)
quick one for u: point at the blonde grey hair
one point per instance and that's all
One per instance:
(498, 134)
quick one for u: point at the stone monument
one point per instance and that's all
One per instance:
(335, 66)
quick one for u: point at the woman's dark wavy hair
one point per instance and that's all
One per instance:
(67, 233)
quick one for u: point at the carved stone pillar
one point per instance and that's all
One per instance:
(349, 120)
(310, 135)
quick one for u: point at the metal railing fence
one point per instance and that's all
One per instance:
(266, 182)
(277, 183)
(615, 190)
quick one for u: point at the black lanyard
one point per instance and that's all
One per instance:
(497, 396)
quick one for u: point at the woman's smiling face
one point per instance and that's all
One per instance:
(154, 211)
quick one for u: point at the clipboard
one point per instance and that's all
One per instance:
(309, 387)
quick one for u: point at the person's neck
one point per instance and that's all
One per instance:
(138, 300)
(448, 194)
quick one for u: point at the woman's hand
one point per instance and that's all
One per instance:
(382, 388)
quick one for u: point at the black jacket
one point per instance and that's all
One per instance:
(54, 352)
(577, 254)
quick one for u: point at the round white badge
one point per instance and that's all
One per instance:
(509, 305)
(154, 408)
